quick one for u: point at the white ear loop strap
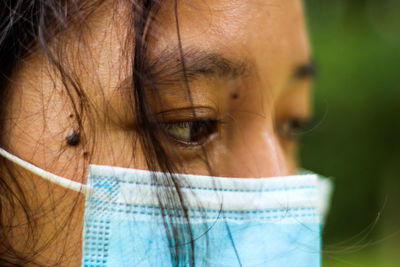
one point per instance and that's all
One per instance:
(64, 182)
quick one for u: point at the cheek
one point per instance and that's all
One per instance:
(38, 118)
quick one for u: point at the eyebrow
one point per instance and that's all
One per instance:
(167, 66)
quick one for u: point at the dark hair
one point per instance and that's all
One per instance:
(27, 26)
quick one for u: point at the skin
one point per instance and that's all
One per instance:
(268, 37)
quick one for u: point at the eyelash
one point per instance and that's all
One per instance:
(191, 133)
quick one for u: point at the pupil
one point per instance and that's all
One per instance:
(201, 129)
(197, 131)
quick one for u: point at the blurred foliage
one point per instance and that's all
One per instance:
(357, 141)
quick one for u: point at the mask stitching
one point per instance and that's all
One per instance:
(218, 211)
(211, 188)
(234, 218)
(312, 212)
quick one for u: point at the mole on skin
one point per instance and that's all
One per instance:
(73, 138)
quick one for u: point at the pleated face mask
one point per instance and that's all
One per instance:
(274, 221)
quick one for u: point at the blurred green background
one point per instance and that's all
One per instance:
(357, 141)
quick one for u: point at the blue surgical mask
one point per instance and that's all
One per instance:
(273, 221)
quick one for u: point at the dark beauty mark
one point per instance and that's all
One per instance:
(72, 138)
(235, 95)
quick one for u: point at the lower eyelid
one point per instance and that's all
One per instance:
(209, 132)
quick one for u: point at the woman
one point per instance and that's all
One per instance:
(216, 88)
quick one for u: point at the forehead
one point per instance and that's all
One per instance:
(268, 33)
(225, 25)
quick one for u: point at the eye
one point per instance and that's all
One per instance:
(191, 133)
(292, 128)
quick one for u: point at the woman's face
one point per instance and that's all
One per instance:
(243, 62)
(242, 58)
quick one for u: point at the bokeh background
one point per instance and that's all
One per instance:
(357, 139)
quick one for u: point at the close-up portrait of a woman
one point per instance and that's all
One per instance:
(157, 133)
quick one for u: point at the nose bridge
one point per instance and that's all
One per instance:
(258, 154)
(266, 154)
(272, 160)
